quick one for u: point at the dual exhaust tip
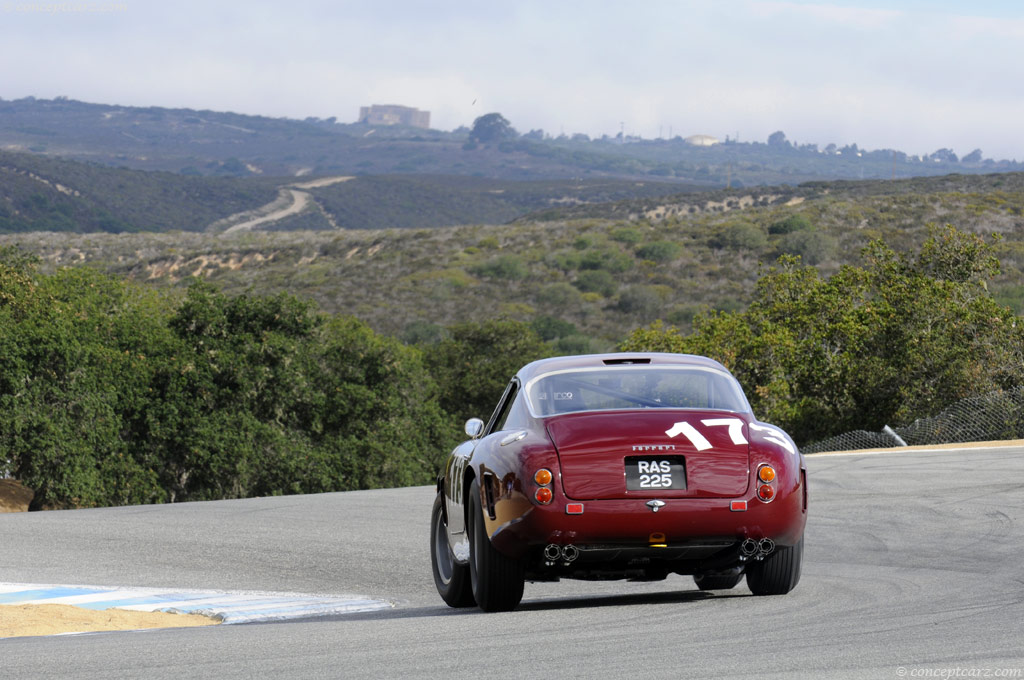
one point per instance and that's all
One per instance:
(757, 549)
(566, 553)
(749, 548)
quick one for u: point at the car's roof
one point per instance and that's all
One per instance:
(542, 366)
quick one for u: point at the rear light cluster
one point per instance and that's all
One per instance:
(765, 480)
(543, 494)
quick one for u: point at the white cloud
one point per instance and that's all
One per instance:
(829, 15)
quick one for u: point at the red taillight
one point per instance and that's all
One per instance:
(765, 492)
(543, 495)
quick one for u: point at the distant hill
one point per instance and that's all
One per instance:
(404, 201)
(190, 142)
(39, 193)
(584, 279)
(723, 200)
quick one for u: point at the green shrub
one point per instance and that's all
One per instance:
(644, 301)
(476, 361)
(659, 251)
(550, 328)
(422, 332)
(508, 267)
(813, 247)
(607, 259)
(597, 281)
(567, 262)
(682, 315)
(578, 344)
(627, 235)
(789, 224)
(558, 295)
(739, 236)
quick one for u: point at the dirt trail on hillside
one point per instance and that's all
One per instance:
(291, 200)
(299, 201)
(322, 182)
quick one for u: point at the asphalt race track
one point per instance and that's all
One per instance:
(913, 561)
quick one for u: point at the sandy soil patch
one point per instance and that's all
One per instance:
(14, 497)
(24, 620)
(49, 619)
(927, 447)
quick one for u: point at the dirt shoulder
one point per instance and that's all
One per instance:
(14, 497)
(25, 620)
(1003, 443)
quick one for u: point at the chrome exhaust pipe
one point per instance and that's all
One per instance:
(748, 547)
(766, 546)
(570, 552)
(552, 552)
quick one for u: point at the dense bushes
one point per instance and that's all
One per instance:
(112, 394)
(115, 394)
(659, 251)
(474, 364)
(897, 339)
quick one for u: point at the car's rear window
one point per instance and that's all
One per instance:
(601, 389)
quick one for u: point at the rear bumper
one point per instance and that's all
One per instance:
(687, 527)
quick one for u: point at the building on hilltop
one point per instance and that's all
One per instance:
(390, 114)
(701, 140)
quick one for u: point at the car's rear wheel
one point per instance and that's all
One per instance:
(717, 581)
(450, 577)
(497, 579)
(778, 573)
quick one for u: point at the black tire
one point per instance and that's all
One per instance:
(717, 581)
(450, 577)
(778, 573)
(497, 579)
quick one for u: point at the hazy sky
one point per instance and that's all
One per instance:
(915, 75)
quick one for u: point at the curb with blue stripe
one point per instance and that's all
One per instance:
(227, 606)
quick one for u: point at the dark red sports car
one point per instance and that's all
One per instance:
(618, 466)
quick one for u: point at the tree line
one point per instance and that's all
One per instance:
(114, 393)
(900, 337)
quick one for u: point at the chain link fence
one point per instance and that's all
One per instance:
(990, 417)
